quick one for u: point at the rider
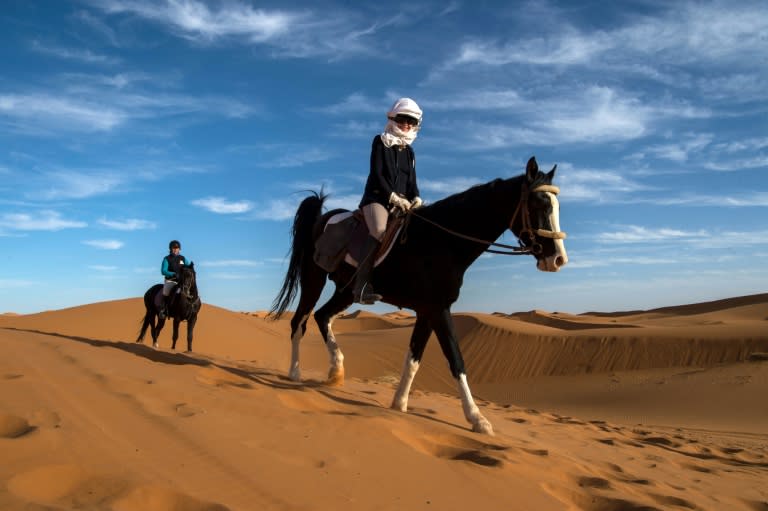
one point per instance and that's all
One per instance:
(172, 264)
(391, 184)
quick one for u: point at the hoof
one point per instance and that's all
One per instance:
(294, 375)
(399, 407)
(335, 378)
(483, 426)
(156, 346)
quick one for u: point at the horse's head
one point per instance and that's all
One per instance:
(536, 221)
(187, 281)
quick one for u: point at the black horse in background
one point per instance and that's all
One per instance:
(184, 306)
(425, 269)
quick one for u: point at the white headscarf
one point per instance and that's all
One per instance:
(392, 134)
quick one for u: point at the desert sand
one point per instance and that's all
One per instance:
(618, 411)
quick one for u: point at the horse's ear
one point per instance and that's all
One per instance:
(192, 265)
(532, 169)
(551, 173)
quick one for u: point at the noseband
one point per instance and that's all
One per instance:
(535, 247)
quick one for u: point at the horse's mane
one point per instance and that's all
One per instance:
(457, 205)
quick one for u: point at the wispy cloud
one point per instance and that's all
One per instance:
(46, 220)
(82, 55)
(15, 283)
(75, 185)
(223, 206)
(130, 224)
(281, 209)
(105, 244)
(641, 234)
(231, 263)
(103, 103)
(103, 268)
(687, 33)
(285, 32)
(42, 113)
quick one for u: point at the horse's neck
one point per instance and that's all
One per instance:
(483, 212)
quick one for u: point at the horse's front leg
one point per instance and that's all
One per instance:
(443, 325)
(176, 322)
(421, 332)
(190, 330)
(324, 317)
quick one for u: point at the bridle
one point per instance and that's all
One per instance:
(186, 287)
(534, 247)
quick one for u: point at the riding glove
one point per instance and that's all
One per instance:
(417, 203)
(399, 202)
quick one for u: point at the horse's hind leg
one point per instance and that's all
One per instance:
(312, 284)
(156, 332)
(324, 317)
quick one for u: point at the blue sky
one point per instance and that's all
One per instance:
(127, 123)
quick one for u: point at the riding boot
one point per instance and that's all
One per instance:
(164, 309)
(363, 292)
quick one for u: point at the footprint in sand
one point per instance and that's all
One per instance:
(454, 447)
(68, 486)
(64, 486)
(12, 426)
(158, 498)
(218, 377)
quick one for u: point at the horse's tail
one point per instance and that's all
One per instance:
(148, 316)
(144, 327)
(309, 211)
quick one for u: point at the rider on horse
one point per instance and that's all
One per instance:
(391, 184)
(172, 264)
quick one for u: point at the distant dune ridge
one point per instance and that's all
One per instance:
(657, 409)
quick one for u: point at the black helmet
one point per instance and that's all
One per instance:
(174, 244)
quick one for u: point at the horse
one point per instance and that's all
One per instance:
(424, 270)
(184, 306)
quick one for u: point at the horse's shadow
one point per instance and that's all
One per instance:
(259, 376)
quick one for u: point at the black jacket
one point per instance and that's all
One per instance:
(393, 169)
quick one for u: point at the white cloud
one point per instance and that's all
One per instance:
(47, 112)
(46, 220)
(15, 283)
(130, 224)
(288, 33)
(105, 244)
(223, 206)
(640, 234)
(103, 268)
(75, 185)
(82, 55)
(232, 263)
(281, 209)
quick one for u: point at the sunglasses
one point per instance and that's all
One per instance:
(404, 119)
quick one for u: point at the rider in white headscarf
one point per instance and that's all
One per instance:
(391, 184)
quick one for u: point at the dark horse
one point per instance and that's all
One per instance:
(184, 307)
(425, 269)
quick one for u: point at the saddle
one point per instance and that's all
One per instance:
(159, 296)
(343, 238)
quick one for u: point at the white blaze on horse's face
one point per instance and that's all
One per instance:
(560, 257)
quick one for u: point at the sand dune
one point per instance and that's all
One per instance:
(659, 409)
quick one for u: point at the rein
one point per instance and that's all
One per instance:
(526, 219)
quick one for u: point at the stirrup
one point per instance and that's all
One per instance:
(367, 298)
